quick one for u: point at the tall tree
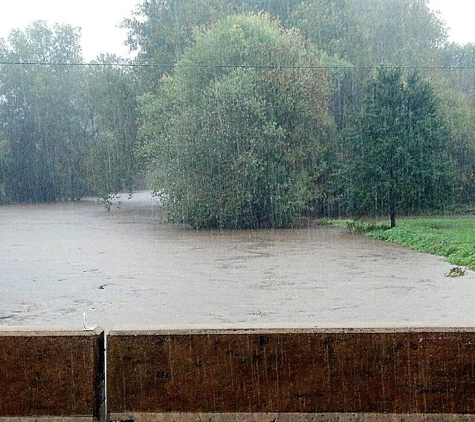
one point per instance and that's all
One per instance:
(458, 91)
(333, 26)
(459, 110)
(160, 30)
(458, 62)
(399, 158)
(396, 29)
(112, 161)
(364, 32)
(42, 113)
(241, 145)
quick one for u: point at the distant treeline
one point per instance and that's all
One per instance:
(252, 113)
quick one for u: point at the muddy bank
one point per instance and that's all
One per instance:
(128, 267)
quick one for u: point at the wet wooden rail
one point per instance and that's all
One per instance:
(238, 375)
(51, 375)
(292, 374)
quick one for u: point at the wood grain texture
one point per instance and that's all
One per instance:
(293, 371)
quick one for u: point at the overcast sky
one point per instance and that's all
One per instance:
(459, 16)
(99, 20)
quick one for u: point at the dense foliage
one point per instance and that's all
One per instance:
(112, 162)
(42, 117)
(398, 158)
(253, 113)
(242, 145)
(68, 130)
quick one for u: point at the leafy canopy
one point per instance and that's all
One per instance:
(398, 157)
(42, 114)
(239, 131)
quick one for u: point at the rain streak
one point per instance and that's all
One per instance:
(257, 162)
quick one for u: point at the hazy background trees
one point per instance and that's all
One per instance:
(67, 129)
(42, 115)
(112, 103)
(251, 112)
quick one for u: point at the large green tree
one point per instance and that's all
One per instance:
(68, 129)
(398, 160)
(240, 129)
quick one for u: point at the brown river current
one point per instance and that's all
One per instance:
(127, 268)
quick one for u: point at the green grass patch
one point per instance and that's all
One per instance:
(453, 238)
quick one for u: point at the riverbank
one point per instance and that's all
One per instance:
(450, 237)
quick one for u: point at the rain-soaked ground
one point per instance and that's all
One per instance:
(128, 268)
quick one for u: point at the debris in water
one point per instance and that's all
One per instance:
(455, 272)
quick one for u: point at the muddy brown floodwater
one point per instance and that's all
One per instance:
(128, 268)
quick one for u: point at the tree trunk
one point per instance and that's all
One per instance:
(392, 202)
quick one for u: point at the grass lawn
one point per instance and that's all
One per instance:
(452, 237)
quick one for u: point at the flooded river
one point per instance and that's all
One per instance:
(127, 267)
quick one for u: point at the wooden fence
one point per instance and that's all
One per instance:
(240, 375)
(52, 374)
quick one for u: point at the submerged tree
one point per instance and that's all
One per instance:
(239, 131)
(398, 160)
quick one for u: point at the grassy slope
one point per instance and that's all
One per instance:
(453, 238)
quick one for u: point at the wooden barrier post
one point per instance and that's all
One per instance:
(51, 374)
(292, 375)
